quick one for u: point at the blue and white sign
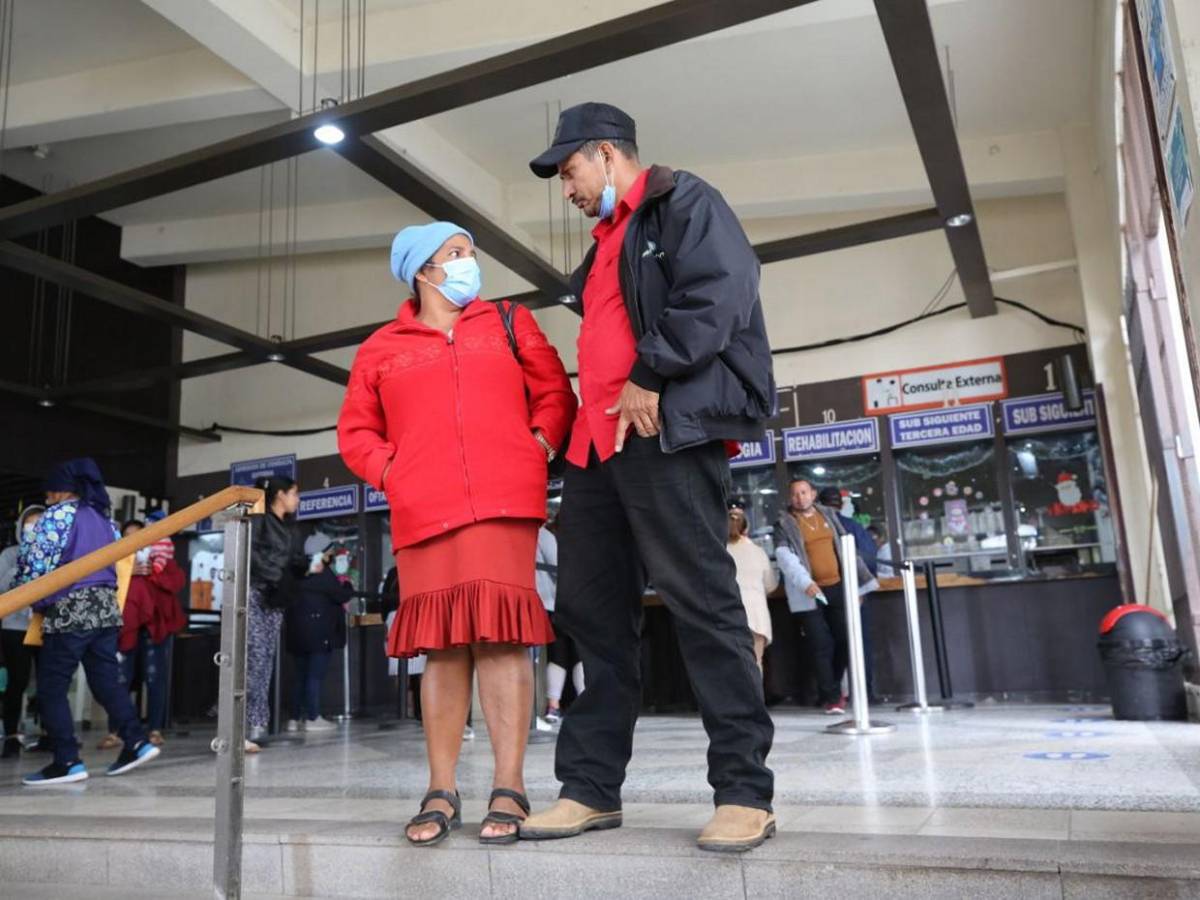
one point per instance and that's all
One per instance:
(756, 453)
(850, 438)
(942, 426)
(1046, 412)
(373, 500)
(334, 501)
(248, 471)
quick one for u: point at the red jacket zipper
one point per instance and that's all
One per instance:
(462, 451)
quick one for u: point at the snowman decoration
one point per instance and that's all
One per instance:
(1070, 497)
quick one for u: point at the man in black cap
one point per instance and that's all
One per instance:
(674, 369)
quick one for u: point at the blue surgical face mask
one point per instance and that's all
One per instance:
(608, 197)
(463, 280)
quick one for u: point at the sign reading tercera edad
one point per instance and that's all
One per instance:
(327, 502)
(1031, 415)
(931, 387)
(851, 438)
(943, 426)
(756, 453)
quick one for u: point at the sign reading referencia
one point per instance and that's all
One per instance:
(933, 387)
(326, 502)
(756, 453)
(943, 426)
(1048, 412)
(850, 438)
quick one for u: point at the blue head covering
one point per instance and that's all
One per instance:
(414, 246)
(81, 477)
(156, 515)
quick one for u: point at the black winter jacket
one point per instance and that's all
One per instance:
(689, 278)
(315, 620)
(276, 554)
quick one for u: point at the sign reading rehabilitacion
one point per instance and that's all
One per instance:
(827, 441)
(930, 387)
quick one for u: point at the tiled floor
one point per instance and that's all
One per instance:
(960, 774)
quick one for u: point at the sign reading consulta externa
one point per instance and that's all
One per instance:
(929, 387)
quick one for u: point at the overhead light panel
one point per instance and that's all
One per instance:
(960, 220)
(329, 133)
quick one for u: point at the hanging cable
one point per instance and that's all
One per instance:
(262, 203)
(294, 432)
(316, 67)
(362, 48)
(550, 195)
(7, 15)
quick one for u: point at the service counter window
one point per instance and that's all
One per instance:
(1062, 505)
(756, 491)
(859, 478)
(345, 542)
(950, 507)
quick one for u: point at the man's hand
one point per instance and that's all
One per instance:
(141, 569)
(637, 407)
(812, 590)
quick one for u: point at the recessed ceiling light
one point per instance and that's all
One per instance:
(329, 134)
(960, 220)
(46, 402)
(275, 357)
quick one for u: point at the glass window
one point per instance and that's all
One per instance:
(1061, 501)
(345, 544)
(756, 491)
(860, 479)
(950, 507)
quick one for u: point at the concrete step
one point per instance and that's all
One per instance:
(93, 856)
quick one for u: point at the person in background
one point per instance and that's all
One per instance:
(316, 627)
(453, 410)
(563, 657)
(808, 551)
(152, 615)
(18, 658)
(756, 578)
(276, 560)
(883, 553)
(836, 499)
(80, 623)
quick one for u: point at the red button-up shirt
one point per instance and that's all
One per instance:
(607, 348)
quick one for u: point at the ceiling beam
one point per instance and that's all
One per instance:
(849, 236)
(111, 412)
(910, 42)
(56, 271)
(607, 42)
(394, 171)
(227, 362)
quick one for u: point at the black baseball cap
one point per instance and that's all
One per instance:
(579, 124)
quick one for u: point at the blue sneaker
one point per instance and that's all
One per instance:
(131, 758)
(56, 773)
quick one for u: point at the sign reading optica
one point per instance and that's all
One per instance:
(326, 502)
(935, 386)
(756, 453)
(373, 500)
(248, 471)
(945, 426)
(849, 438)
(1047, 412)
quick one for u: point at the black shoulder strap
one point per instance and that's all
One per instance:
(508, 313)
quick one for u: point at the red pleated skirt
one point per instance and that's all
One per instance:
(474, 585)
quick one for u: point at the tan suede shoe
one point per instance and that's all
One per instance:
(736, 829)
(566, 818)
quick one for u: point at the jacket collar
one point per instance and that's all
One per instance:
(659, 182)
(406, 315)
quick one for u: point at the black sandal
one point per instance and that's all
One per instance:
(445, 823)
(504, 818)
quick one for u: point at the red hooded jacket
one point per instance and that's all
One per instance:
(153, 603)
(455, 415)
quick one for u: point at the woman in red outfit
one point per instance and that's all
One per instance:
(456, 427)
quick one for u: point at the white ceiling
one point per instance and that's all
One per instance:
(332, 9)
(774, 93)
(803, 83)
(59, 37)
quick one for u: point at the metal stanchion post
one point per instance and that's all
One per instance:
(345, 716)
(861, 724)
(908, 575)
(939, 640)
(229, 744)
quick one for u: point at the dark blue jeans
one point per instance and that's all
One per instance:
(60, 657)
(153, 661)
(310, 674)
